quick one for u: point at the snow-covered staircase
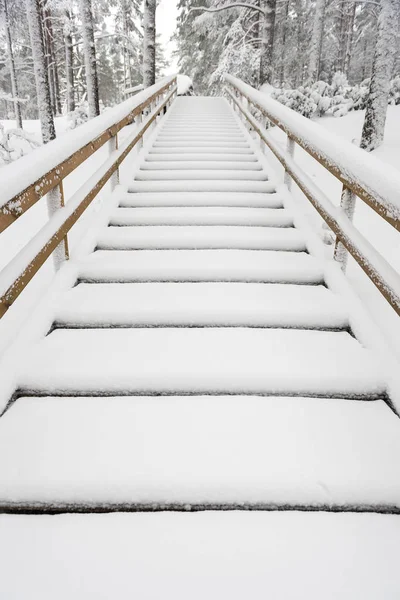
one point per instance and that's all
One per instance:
(202, 360)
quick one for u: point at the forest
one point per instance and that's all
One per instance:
(316, 56)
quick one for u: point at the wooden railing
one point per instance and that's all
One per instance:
(361, 174)
(52, 163)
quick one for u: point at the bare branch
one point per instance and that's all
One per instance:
(234, 5)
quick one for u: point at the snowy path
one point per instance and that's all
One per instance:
(204, 354)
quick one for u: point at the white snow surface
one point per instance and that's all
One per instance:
(202, 265)
(165, 450)
(189, 304)
(235, 555)
(196, 237)
(180, 361)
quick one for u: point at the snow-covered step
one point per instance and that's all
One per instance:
(203, 185)
(195, 199)
(202, 361)
(234, 554)
(202, 265)
(201, 237)
(201, 137)
(275, 452)
(238, 158)
(209, 144)
(202, 305)
(267, 217)
(200, 165)
(201, 174)
(202, 150)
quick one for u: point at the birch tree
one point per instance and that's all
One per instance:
(316, 41)
(41, 74)
(89, 48)
(384, 59)
(149, 42)
(11, 63)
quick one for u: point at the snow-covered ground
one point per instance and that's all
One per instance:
(380, 234)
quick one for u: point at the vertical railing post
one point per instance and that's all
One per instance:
(55, 201)
(139, 120)
(112, 146)
(290, 145)
(347, 204)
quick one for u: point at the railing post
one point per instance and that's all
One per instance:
(112, 146)
(139, 120)
(290, 145)
(347, 204)
(55, 201)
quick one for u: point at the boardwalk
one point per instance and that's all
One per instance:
(202, 354)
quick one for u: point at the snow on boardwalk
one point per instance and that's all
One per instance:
(203, 360)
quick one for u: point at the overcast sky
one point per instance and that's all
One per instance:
(166, 24)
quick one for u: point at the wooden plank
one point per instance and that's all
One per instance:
(32, 268)
(18, 205)
(383, 286)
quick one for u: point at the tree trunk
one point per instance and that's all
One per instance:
(384, 57)
(14, 84)
(316, 41)
(41, 75)
(299, 30)
(69, 62)
(285, 15)
(349, 38)
(149, 43)
(90, 57)
(348, 11)
(267, 40)
(53, 64)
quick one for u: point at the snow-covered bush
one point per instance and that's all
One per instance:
(185, 86)
(395, 91)
(15, 143)
(78, 116)
(337, 98)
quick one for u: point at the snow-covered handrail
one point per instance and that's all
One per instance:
(133, 90)
(30, 178)
(147, 107)
(364, 175)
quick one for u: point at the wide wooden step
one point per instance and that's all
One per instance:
(202, 265)
(201, 237)
(201, 305)
(203, 185)
(200, 165)
(200, 452)
(257, 217)
(202, 361)
(222, 157)
(202, 199)
(227, 175)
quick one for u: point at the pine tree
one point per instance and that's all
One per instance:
(149, 42)
(92, 84)
(316, 41)
(384, 59)
(11, 61)
(41, 75)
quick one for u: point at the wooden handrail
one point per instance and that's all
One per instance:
(19, 272)
(27, 197)
(385, 278)
(353, 177)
